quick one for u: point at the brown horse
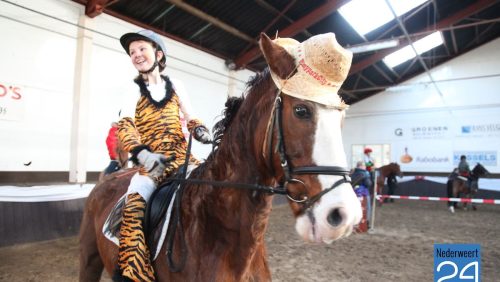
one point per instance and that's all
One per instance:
(385, 172)
(223, 227)
(462, 187)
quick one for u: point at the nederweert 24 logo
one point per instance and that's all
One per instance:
(457, 262)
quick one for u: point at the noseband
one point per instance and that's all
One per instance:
(276, 121)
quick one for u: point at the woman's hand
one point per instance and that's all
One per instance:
(154, 163)
(201, 134)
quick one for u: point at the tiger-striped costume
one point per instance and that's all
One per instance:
(157, 128)
(134, 253)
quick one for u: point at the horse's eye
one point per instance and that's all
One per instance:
(302, 112)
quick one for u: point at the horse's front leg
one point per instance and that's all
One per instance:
(91, 265)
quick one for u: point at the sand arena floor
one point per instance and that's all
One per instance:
(400, 249)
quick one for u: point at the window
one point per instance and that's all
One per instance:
(421, 46)
(367, 15)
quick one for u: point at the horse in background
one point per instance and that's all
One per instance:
(458, 186)
(268, 141)
(387, 172)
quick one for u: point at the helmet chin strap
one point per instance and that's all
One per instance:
(151, 69)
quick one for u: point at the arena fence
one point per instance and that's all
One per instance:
(462, 200)
(485, 200)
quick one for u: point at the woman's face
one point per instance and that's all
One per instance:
(142, 55)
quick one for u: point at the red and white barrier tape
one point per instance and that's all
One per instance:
(463, 200)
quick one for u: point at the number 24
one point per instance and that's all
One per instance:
(455, 267)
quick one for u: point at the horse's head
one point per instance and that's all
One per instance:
(302, 144)
(480, 171)
(396, 169)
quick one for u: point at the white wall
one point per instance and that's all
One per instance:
(37, 59)
(436, 129)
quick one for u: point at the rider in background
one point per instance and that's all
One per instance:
(463, 167)
(369, 162)
(370, 167)
(464, 170)
(154, 137)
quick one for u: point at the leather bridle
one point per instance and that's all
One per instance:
(276, 121)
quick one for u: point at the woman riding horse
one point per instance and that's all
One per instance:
(283, 137)
(459, 186)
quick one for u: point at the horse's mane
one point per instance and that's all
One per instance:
(480, 170)
(232, 106)
(243, 105)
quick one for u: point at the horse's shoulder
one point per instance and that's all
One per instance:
(113, 185)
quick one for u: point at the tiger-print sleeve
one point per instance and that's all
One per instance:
(130, 138)
(194, 123)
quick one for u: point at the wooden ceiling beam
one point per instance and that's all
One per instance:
(94, 8)
(298, 26)
(213, 20)
(446, 22)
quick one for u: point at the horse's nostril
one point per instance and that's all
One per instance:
(334, 218)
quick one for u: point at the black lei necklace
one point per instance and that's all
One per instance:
(169, 91)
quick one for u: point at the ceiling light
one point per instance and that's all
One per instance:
(373, 46)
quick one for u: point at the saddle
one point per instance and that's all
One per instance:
(156, 218)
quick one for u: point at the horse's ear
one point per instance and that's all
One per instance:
(280, 62)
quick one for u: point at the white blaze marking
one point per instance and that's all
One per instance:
(328, 150)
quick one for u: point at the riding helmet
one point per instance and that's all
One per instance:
(146, 35)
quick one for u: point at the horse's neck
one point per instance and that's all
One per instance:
(232, 221)
(226, 203)
(474, 176)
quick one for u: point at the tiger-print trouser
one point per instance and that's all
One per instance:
(133, 257)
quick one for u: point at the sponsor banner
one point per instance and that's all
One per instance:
(429, 131)
(423, 131)
(11, 102)
(480, 130)
(487, 158)
(457, 262)
(423, 155)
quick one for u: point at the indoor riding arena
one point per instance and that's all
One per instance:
(353, 140)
